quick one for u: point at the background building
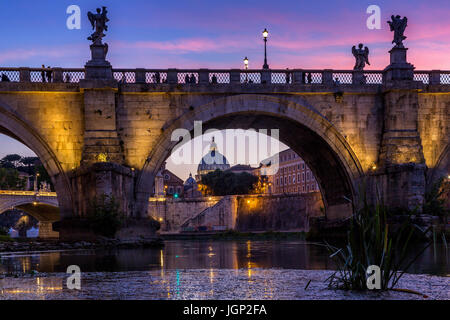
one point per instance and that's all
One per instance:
(292, 176)
(212, 161)
(167, 184)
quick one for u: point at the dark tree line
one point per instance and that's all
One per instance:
(12, 164)
(221, 183)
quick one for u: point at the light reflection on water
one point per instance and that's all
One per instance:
(208, 255)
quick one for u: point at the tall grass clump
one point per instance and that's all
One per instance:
(105, 216)
(371, 240)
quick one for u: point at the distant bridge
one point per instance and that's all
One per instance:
(41, 205)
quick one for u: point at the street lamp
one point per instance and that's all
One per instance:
(265, 35)
(246, 68)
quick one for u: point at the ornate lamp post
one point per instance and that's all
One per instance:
(265, 35)
(246, 68)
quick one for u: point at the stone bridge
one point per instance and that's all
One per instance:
(100, 130)
(41, 205)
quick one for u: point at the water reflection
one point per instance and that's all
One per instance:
(40, 289)
(207, 255)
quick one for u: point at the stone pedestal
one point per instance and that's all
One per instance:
(98, 67)
(358, 77)
(266, 76)
(399, 69)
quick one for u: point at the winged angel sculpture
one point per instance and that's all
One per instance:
(98, 21)
(361, 56)
(398, 25)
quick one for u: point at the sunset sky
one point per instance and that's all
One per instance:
(219, 34)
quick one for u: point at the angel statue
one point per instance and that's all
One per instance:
(361, 56)
(98, 21)
(398, 26)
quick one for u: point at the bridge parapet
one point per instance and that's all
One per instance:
(26, 193)
(224, 76)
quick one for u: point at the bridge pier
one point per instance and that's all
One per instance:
(116, 182)
(102, 172)
(401, 178)
(46, 230)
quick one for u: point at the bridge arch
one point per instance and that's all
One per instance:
(306, 131)
(41, 209)
(14, 203)
(14, 126)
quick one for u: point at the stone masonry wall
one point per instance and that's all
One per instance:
(172, 213)
(277, 213)
(243, 213)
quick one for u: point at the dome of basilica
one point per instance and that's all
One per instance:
(212, 161)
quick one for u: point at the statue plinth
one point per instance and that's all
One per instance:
(98, 67)
(359, 77)
(399, 68)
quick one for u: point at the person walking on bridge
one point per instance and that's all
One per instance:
(44, 79)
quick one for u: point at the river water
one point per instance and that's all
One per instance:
(187, 269)
(205, 254)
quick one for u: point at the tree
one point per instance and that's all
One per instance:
(11, 161)
(221, 183)
(10, 180)
(22, 225)
(29, 162)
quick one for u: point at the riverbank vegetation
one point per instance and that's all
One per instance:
(373, 241)
(105, 216)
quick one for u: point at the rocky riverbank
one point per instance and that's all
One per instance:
(36, 245)
(229, 284)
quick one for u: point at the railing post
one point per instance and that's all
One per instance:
(57, 75)
(235, 76)
(358, 77)
(435, 77)
(24, 75)
(203, 76)
(327, 77)
(297, 77)
(172, 76)
(140, 75)
(266, 76)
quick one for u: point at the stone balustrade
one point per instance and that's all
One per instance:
(225, 76)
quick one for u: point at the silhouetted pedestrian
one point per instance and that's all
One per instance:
(309, 77)
(44, 79)
(67, 79)
(49, 74)
(288, 76)
(187, 79)
(214, 79)
(158, 77)
(192, 79)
